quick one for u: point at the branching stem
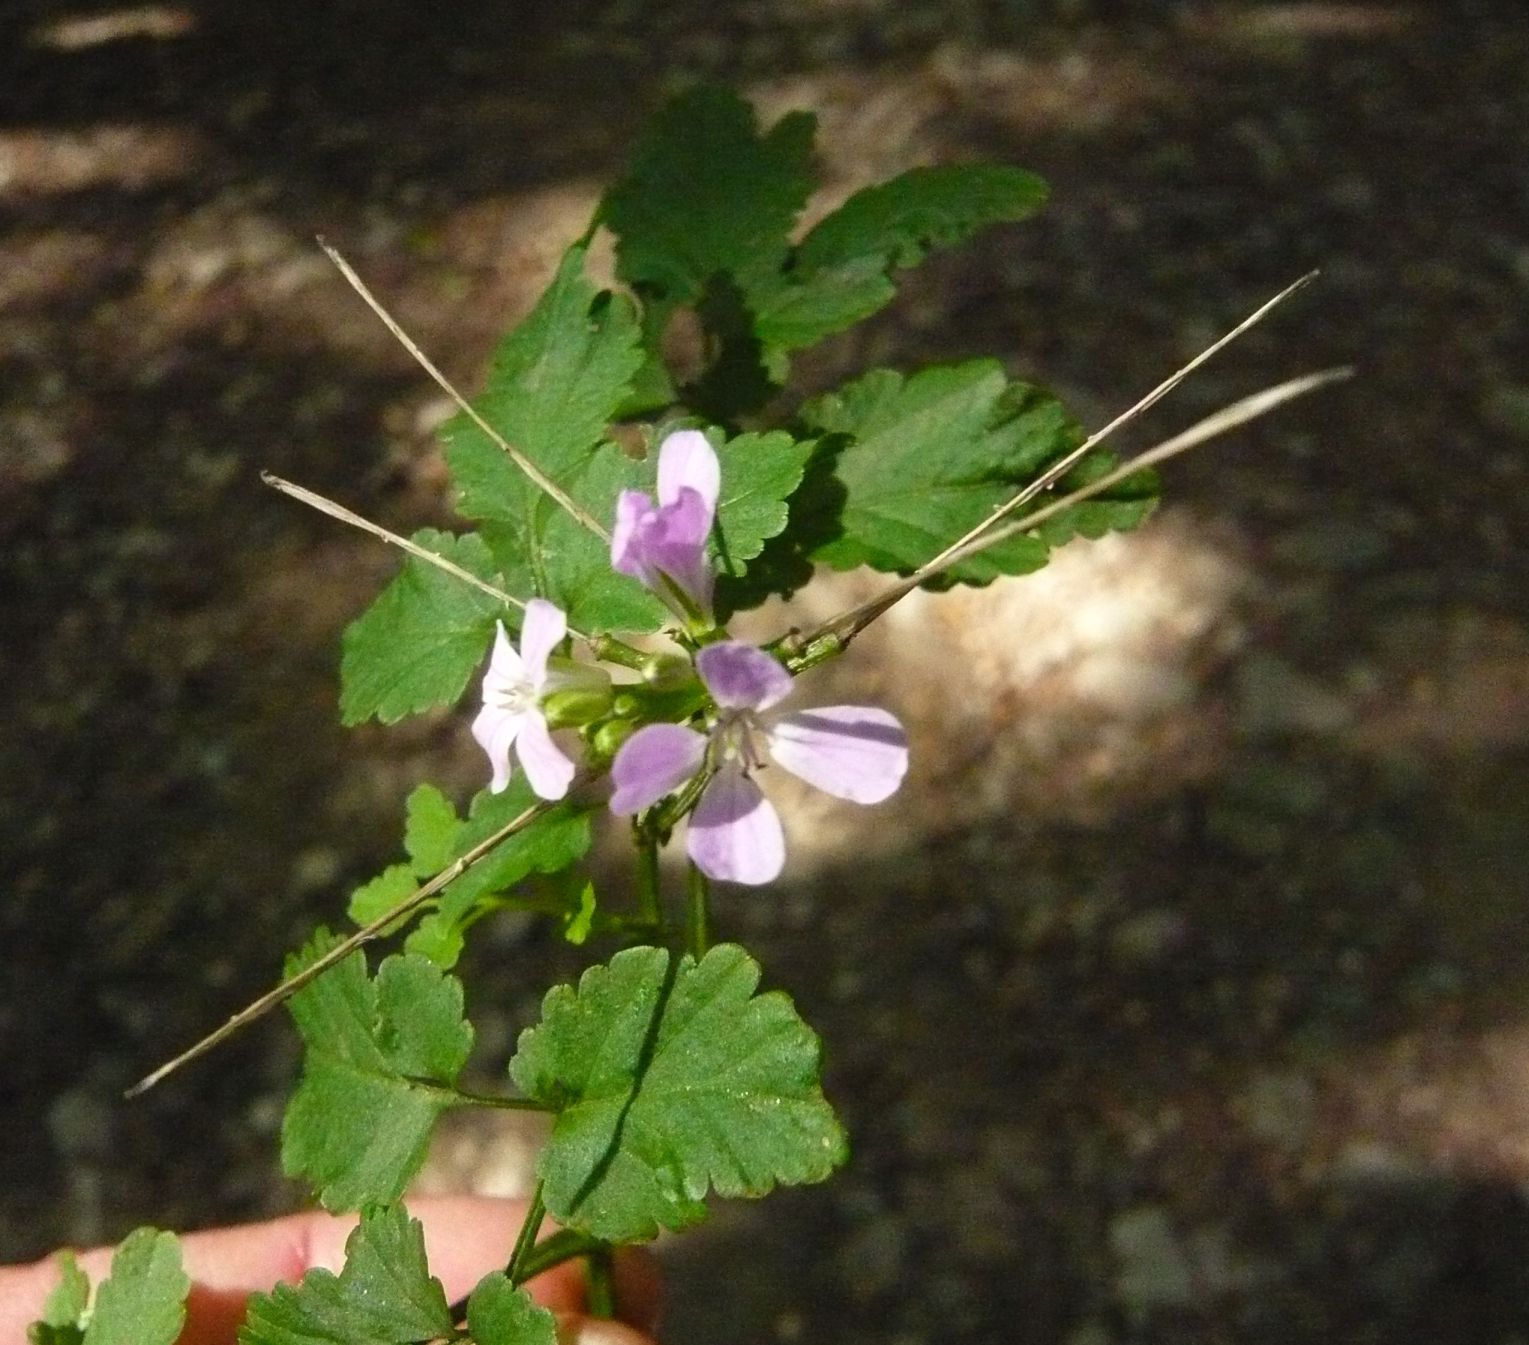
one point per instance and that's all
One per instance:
(526, 1241)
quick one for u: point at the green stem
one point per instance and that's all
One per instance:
(600, 1288)
(665, 817)
(647, 875)
(525, 1243)
(460, 1095)
(612, 650)
(697, 913)
(561, 1246)
(502, 1103)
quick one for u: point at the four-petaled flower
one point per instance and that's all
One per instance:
(853, 752)
(514, 688)
(664, 545)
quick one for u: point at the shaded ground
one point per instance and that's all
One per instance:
(1181, 996)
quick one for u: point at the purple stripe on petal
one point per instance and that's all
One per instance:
(741, 677)
(547, 766)
(654, 761)
(735, 834)
(854, 752)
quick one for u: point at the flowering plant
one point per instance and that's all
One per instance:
(665, 1075)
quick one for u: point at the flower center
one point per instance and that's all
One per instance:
(515, 698)
(734, 737)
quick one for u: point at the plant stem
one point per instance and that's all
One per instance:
(612, 650)
(600, 1288)
(697, 913)
(553, 1250)
(525, 1243)
(502, 1103)
(647, 875)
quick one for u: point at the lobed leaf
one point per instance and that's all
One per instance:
(760, 472)
(385, 1295)
(557, 380)
(556, 839)
(707, 194)
(419, 642)
(673, 1079)
(382, 1058)
(500, 1314)
(927, 457)
(65, 1307)
(142, 1301)
(842, 271)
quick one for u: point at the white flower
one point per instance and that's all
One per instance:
(514, 688)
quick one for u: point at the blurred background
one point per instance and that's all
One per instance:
(1180, 996)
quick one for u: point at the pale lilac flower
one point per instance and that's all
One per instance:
(513, 690)
(664, 544)
(853, 752)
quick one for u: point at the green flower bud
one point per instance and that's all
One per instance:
(668, 672)
(610, 735)
(576, 694)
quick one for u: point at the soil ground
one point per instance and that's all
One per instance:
(1181, 997)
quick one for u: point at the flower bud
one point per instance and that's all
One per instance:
(667, 672)
(577, 694)
(610, 735)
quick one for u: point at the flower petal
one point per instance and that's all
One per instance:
(548, 768)
(540, 633)
(632, 509)
(496, 729)
(687, 462)
(654, 761)
(854, 752)
(735, 832)
(505, 670)
(674, 540)
(741, 677)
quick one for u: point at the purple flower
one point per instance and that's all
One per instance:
(853, 752)
(513, 690)
(664, 545)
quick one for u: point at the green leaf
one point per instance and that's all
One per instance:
(671, 1081)
(375, 898)
(381, 1063)
(707, 194)
(841, 272)
(431, 830)
(580, 920)
(759, 474)
(385, 1295)
(70, 1296)
(556, 381)
(500, 1314)
(417, 645)
(65, 1307)
(556, 839)
(927, 457)
(141, 1302)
